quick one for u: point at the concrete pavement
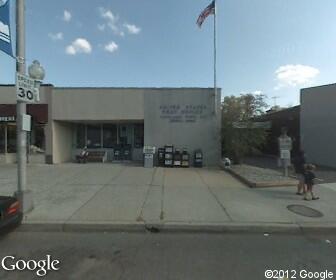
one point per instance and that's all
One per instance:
(120, 197)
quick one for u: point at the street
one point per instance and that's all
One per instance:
(168, 255)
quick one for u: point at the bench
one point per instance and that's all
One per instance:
(97, 156)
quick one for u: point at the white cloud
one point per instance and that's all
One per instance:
(255, 92)
(112, 21)
(132, 29)
(111, 47)
(295, 75)
(80, 45)
(108, 15)
(67, 16)
(56, 36)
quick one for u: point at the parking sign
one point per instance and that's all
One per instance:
(285, 143)
(285, 154)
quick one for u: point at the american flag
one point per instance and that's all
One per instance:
(210, 10)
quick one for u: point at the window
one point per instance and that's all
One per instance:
(11, 138)
(123, 135)
(94, 136)
(109, 135)
(80, 136)
(39, 139)
(138, 135)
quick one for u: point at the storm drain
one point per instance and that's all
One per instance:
(304, 211)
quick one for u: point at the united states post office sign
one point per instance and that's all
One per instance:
(189, 113)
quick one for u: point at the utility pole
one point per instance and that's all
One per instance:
(275, 98)
(24, 196)
(215, 55)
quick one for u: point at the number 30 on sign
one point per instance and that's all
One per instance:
(25, 89)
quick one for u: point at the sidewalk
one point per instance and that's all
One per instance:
(107, 197)
(257, 177)
(327, 174)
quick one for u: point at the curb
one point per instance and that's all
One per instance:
(241, 228)
(80, 227)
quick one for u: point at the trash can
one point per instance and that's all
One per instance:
(198, 158)
(149, 152)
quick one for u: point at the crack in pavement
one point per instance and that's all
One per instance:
(96, 193)
(162, 195)
(140, 218)
(215, 197)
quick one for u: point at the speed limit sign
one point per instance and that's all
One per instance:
(26, 90)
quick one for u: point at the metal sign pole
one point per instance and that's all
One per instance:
(215, 57)
(24, 196)
(286, 168)
(285, 147)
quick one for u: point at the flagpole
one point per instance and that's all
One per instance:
(215, 56)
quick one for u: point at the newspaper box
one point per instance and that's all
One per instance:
(149, 152)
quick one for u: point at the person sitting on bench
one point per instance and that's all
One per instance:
(82, 157)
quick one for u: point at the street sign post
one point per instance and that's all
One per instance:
(285, 143)
(26, 122)
(285, 154)
(24, 195)
(285, 147)
(26, 90)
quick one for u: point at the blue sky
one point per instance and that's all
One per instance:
(274, 47)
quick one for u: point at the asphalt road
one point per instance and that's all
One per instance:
(168, 256)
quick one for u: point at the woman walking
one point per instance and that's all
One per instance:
(309, 180)
(299, 166)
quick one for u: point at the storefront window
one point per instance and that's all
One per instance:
(138, 135)
(110, 135)
(11, 138)
(124, 134)
(94, 136)
(38, 140)
(80, 137)
(2, 138)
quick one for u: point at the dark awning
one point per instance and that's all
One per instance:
(39, 112)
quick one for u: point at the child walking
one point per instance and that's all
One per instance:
(309, 177)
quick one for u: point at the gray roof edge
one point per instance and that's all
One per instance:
(122, 88)
(13, 85)
(140, 88)
(326, 85)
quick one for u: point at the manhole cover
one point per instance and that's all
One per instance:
(305, 211)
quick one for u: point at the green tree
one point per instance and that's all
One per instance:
(239, 136)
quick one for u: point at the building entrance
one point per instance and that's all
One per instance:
(121, 141)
